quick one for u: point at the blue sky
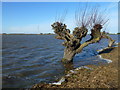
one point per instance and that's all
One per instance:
(37, 17)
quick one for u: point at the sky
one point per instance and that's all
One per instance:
(37, 17)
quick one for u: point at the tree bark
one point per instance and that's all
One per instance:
(111, 41)
(68, 55)
(72, 41)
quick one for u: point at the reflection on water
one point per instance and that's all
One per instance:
(30, 59)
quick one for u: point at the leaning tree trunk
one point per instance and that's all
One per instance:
(68, 55)
(72, 42)
(111, 41)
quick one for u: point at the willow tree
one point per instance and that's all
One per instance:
(85, 20)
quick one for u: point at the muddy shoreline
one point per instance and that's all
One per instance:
(103, 76)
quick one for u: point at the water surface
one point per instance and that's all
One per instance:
(31, 59)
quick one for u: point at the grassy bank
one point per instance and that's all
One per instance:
(103, 76)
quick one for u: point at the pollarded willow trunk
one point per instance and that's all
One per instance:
(72, 41)
(111, 41)
(68, 55)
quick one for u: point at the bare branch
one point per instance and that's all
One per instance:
(61, 30)
(62, 18)
(86, 44)
(98, 17)
(111, 41)
(84, 19)
(79, 33)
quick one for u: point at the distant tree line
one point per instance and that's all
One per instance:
(26, 34)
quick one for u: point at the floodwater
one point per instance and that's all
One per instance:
(31, 59)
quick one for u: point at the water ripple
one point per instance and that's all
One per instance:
(32, 59)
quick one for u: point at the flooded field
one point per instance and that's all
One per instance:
(31, 59)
